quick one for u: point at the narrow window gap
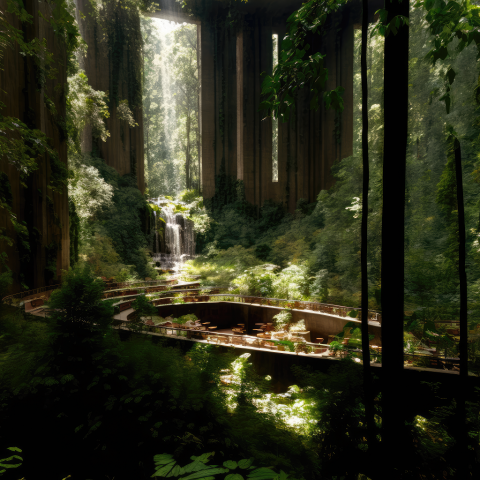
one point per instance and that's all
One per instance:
(275, 120)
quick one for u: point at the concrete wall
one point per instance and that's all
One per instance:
(25, 100)
(125, 146)
(310, 143)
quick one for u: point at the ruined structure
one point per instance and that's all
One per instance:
(41, 249)
(235, 49)
(113, 64)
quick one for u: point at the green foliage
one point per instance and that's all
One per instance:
(4, 466)
(296, 70)
(99, 252)
(223, 267)
(5, 191)
(447, 202)
(85, 106)
(74, 225)
(78, 306)
(189, 196)
(286, 343)
(283, 319)
(336, 346)
(51, 251)
(198, 469)
(24, 341)
(450, 23)
(256, 281)
(338, 408)
(302, 347)
(189, 317)
(266, 281)
(143, 307)
(114, 209)
(22, 147)
(23, 247)
(124, 113)
(20, 144)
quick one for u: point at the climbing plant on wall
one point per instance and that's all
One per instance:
(297, 69)
(22, 144)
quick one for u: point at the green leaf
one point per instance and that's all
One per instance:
(231, 464)
(245, 463)
(429, 4)
(451, 75)
(234, 476)
(447, 100)
(443, 53)
(262, 473)
(177, 470)
(209, 471)
(10, 465)
(163, 471)
(204, 457)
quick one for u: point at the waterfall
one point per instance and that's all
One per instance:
(156, 248)
(179, 242)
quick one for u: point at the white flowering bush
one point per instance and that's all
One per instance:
(220, 267)
(356, 207)
(88, 190)
(281, 321)
(124, 113)
(257, 281)
(87, 106)
(292, 282)
(298, 326)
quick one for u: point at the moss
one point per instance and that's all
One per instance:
(51, 252)
(5, 190)
(24, 250)
(74, 221)
(58, 173)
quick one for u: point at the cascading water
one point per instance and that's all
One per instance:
(179, 244)
(157, 249)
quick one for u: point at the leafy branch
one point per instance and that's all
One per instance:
(4, 465)
(448, 21)
(296, 70)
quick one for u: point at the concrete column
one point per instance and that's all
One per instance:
(346, 81)
(254, 136)
(208, 99)
(125, 145)
(240, 114)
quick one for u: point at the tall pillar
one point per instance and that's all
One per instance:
(254, 50)
(208, 96)
(124, 149)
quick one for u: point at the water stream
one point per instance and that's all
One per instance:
(178, 239)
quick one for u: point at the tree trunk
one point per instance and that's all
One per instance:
(367, 379)
(462, 436)
(393, 233)
(187, 162)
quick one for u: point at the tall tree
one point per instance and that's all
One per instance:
(463, 441)
(187, 93)
(368, 391)
(393, 232)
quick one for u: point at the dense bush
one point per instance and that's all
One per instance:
(114, 240)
